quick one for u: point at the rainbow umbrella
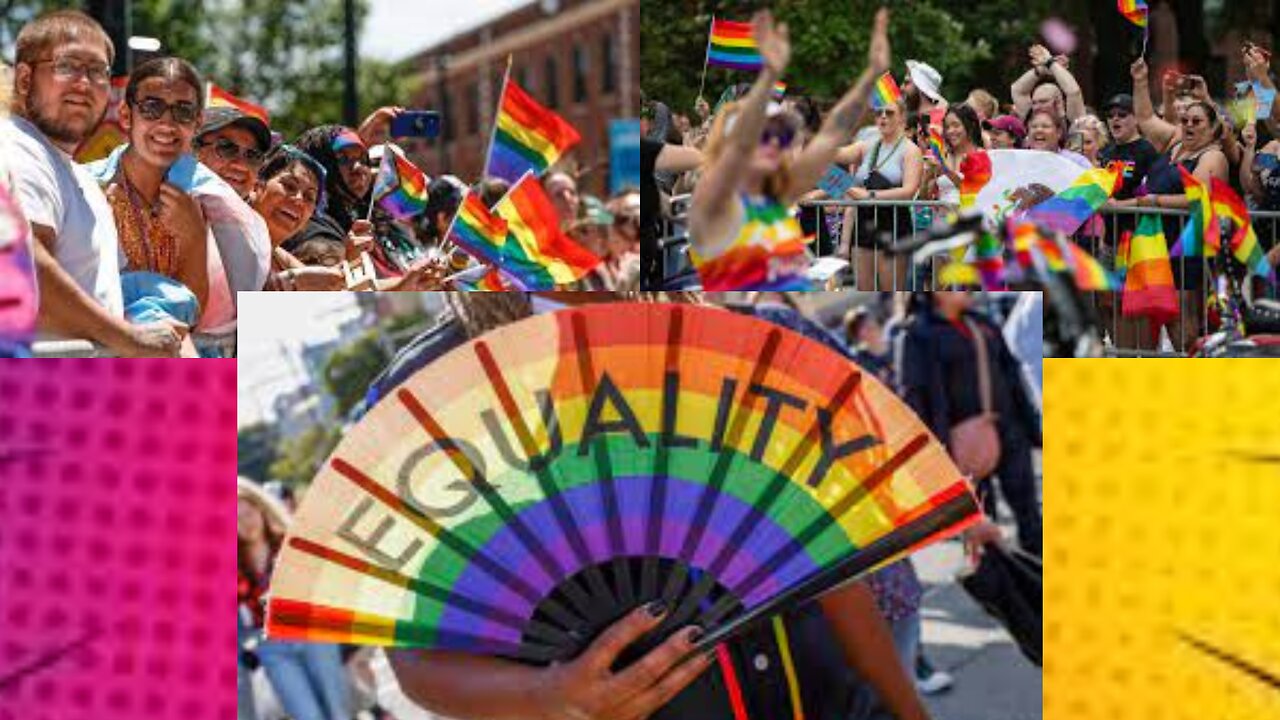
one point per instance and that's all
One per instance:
(528, 489)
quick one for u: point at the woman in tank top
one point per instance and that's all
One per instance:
(742, 234)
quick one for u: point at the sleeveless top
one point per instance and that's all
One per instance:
(766, 251)
(1267, 166)
(887, 161)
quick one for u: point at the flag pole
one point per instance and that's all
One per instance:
(373, 195)
(706, 56)
(493, 133)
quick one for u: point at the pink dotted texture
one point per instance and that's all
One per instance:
(116, 517)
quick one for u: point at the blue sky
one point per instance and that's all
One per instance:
(397, 29)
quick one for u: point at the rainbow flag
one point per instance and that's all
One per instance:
(527, 136)
(484, 236)
(1066, 256)
(779, 90)
(987, 268)
(976, 173)
(400, 188)
(491, 281)
(1067, 211)
(1148, 282)
(936, 146)
(732, 45)
(1202, 235)
(217, 97)
(1135, 11)
(533, 224)
(1244, 244)
(885, 92)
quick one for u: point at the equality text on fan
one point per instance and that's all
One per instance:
(609, 413)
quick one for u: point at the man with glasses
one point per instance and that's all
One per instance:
(232, 144)
(1126, 145)
(62, 79)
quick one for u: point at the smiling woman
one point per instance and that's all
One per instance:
(1163, 542)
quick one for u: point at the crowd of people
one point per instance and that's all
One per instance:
(143, 252)
(752, 158)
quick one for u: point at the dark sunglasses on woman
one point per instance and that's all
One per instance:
(183, 113)
(229, 151)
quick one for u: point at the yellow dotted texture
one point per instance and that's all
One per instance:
(1162, 521)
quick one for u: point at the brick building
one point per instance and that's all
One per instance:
(581, 58)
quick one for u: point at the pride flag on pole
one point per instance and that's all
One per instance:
(733, 46)
(527, 136)
(1244, 244)
(936, 146)
(1135, 11)
(1148, 283)
(885, 92)
(217, 97)
(400, 188)
(779, 90)
(532, 222)
(1202, 235)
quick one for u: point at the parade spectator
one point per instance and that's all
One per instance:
(656, 156)
(922, 91)
(1048, 85)
(563, 191)
(940, 380)
(962, 134)
(1127, 146)
(61, 79)
(307, 677)
(741, 233)
(890, 167)
(290, 185)
(162, 229)
(1044, 132)
(1005, 132)
(1088, 136)
(348, 169)
(17, 273)
(983, 103)
(232, 144)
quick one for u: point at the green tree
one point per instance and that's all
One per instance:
(256, 450)
(300, 457)
(349, 371)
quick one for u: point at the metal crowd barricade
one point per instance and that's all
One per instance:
(867, 253)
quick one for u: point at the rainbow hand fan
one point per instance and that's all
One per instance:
(526, 490)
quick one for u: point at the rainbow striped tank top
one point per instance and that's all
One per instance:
(766, 253)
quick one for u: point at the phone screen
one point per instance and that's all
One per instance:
(416, 123)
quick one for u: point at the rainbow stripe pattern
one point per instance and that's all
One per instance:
(779, 90)
(533, 223)
(1064, 255)
(217, 97)
(400, 188)
(1202, 234)
(527, 136)
(1135, 11)
(347, 138)
(768, 253)
(1148, 282)
(1244, 244)
(885, 92)
(733, 46)
(936, 145)
(519, 493)
(1067, 211)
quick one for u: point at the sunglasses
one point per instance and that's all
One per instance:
(349, 160)
(229, 151)
(183, 113)
(886, 113)
(1119, 115)
(782, 132)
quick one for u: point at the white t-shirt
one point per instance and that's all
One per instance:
(55, 192)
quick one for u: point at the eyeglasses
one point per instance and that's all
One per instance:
(784, 133)
(66, 68)
(183, 113)
(229, 151)
(345, 160)
(886, 113)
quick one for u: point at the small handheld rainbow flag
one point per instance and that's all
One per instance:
(1244, 244)
(1135, 11)
(779, 90)
(217, 97)
(733, 46)
(533, 223)
(936, 146)
(1202, 234)
(400, 188)
(480, 233)
(885, 92)
(526, 136)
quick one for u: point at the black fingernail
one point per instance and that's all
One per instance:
(695, 635)
(657, 608)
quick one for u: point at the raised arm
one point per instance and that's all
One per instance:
(1025, 85)
(1070, 88)
(678, 158)
(1256, 64)
(715, 189)
(1159, 132)
(842, 120)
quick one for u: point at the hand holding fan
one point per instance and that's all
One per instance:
(526, 490)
